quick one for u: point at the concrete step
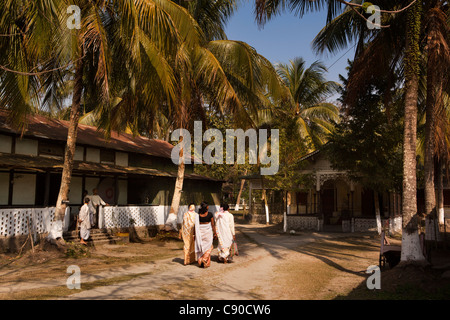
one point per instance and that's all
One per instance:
(97, 236)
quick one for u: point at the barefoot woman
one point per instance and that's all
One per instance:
(187, 232)
(204, 233)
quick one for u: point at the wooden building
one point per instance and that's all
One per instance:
(334, 200)
(127, 170)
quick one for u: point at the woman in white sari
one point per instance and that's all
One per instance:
(225, 233)
(204, 234)
(84, 218)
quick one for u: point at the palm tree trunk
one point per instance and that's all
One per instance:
(411, 249)
(430, 196)
(171, 221)
(377, 211)
(266, 206)
(410, 237)
(432, 85)
(66, 177)
(240, 193)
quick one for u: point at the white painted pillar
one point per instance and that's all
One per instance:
(66, 219)
(266, 207)
(250, 196)
(318, 198)
(101, 217)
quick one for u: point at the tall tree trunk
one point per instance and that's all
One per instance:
(430, 196)
(183, 117)
(266, 206)
(432, 86)
(411, 249)
(377, 211)
(66, 176)
(240, 193)
(440, 191)
(172, 219)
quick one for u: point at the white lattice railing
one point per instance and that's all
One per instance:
(120, 217)
(142, 216)
(302, 222)
(14, 221)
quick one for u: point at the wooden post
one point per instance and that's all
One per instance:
(236, 208)
(29, 234)
(47, 189)
(11, 187)
(116, 190)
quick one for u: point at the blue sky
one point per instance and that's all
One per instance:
(285, 37)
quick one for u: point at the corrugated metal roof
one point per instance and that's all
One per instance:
(37, 163)
(46, 128)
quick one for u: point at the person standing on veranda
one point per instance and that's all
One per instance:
(225, 233)
(86, 195)
(96, 201)
(188, 234)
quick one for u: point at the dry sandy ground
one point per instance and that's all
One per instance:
(271, 265)
(277, 266)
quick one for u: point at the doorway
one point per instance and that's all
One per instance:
(327, 204)
(367, 203)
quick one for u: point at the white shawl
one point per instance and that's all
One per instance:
(224, 231)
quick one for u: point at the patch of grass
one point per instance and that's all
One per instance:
(168, 236)
(77, 251)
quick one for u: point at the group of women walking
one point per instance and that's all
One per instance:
(200, 229)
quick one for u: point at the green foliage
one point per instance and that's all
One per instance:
(76, 251)
(307, 105)
(366, 5)
(223, 171)
(368, 141)
(292, 147)
(304, 120)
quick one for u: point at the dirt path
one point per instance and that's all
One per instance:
(270, 266)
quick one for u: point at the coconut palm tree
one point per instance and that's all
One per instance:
(138, 36)
(314, 116)
(437, 29)
(30, 52)
(227, 76)
(410, 34)
(442, 152)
